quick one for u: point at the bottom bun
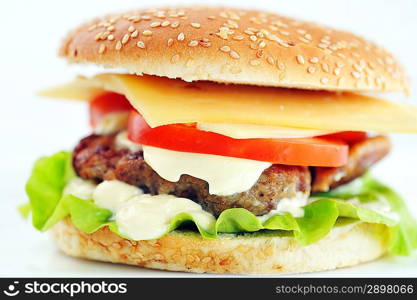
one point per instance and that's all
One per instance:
(251, 253)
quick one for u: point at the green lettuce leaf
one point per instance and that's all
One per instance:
(404, 233)
(327, 210)
(45, 185)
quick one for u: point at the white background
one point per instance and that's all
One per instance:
(32, 126)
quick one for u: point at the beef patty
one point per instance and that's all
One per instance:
(97, 158)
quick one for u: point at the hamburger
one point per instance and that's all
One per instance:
(231, 141)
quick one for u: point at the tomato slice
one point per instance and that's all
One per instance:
(350, 137)
(105, 104)
(179, 137)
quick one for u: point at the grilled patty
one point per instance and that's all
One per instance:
(97, 158)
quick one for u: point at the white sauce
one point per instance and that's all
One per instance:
(138, 216)
(122, 142)
(112, 194)
(148, 217)
(111, 123)
(293, 206)
(80, 188)
(247, 131)
(225, 175)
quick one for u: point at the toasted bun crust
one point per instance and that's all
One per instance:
(235, 46)
(239, 254)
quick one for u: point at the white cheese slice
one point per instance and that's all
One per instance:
(225, 175)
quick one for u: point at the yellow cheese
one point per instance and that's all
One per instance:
(164, 101)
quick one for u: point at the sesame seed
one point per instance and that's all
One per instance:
(357, 67)
(134, 19)
(118, 45)
(371, 65)
(238, 37)
(308, 36)
(325, 67)
(253, 46)
(175, 24)
(189, 62)
(301, 31)
(283, 32)
(145, 17)
(131, 29)
(98, 36)
(225, 48)
(325, 41)
(101, 49)
(255, 62)
(262, 44)
(336, 71)
(322, 46)
(234, 54)
(105, 35)
(253, 38)
(311, 70)
(155, 24)
(224, 32)
(270, 60)
(340, 80)
(110, 37)
(195, 25)
(193, 43)
(181, 36)
(211, 17)
(249, 32)
(170, 42)
(356, 75)
(340, 64)
(304, 40)
(300, 59)
(175, 58)
(341, 55)
(140, 44)
(165, 23)
(324, 80)
(125, 38)
(135, 33)
(314, 60)
(110, 28)
(281, 66)
(147, 33)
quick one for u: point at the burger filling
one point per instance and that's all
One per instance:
(145, 172)
(104, 157)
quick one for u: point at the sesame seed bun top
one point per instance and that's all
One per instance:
(235, 46)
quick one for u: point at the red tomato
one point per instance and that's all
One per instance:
(179, 137)
(350, 137)
(105, 104)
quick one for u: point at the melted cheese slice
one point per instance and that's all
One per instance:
(224, 175)
(164, 101)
